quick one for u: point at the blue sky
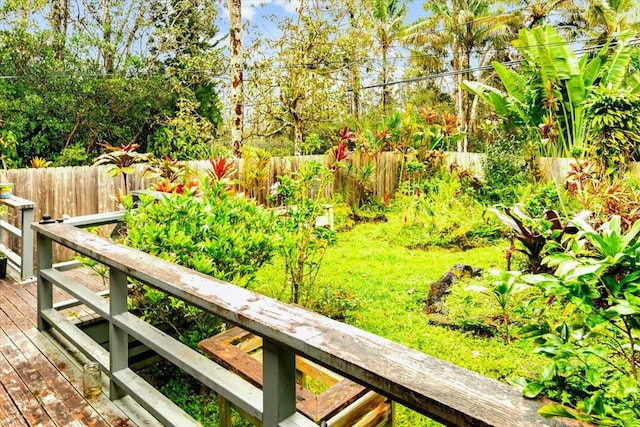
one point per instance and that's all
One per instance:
(257, 12)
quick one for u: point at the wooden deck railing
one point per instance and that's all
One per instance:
(439, 390)
(23, 261)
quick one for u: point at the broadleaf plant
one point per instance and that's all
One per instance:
(590, 326)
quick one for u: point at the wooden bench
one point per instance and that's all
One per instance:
(322, 395)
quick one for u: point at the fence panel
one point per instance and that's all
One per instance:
(86, 190)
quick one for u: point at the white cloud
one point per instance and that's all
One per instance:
(249, 9)
(290, 6)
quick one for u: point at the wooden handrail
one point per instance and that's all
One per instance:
(437, 389)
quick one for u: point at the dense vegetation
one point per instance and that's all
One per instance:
(132, 82)
(75, 76)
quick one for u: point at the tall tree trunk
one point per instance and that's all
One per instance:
(297, 128)
(457, 68)
(464, 119)
(59, 20)
(353, 67)
(107, 50)
(386, 92)
(237, 67)
(59, 16)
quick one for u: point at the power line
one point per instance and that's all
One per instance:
(452, 73)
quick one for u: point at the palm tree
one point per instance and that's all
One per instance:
(388, 16)
(472, 30)
(606, 19)
(538, 12)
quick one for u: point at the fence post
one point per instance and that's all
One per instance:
(118, 338)
(279, 384)
(45, 288)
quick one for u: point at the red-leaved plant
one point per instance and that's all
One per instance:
(221, 168)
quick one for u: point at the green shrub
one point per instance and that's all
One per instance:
(73, 155)
(540, 198)
(218, 234)
(439, 213)
(504, 170)
(588, 325)
(302, 244)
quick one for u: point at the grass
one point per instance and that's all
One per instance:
(385, 285)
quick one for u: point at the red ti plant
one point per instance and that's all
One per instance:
(167, 169)
(341, 150)
(221, 168)
(346, 136)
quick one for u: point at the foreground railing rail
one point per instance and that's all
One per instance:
(22, 262)
(442, 391)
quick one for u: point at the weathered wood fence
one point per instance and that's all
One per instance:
(86, 190)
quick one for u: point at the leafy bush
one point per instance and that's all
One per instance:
(504, 170)
(589, 326)
(73, 155)
(612, 115)
(186, 136)
(218, 234)
(539, 198)
(302, 244)
(439, 213)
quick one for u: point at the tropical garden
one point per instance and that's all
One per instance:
(552, 303)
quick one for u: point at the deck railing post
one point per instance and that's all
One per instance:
(45, 288)
(279, 379)
(118, 338)
(24, 261)
(27, 244)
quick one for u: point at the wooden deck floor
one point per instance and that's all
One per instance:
(40, 380)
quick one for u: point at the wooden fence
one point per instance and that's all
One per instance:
(88, 190)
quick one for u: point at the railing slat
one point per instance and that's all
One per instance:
(239, 392)
(23, 263)
(77, 290)
(95, 220)
(163, 409)
(82, 341)
(13, 230)
(297, 420)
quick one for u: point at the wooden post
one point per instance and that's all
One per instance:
(279, 389)
(45, 288)
(224, 412)
(26, 267)
(118, 338)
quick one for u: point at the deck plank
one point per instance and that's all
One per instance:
(28, 405)
(40, 377)
(9, 413)
(39, 384)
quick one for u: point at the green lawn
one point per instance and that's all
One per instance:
(388, 284)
